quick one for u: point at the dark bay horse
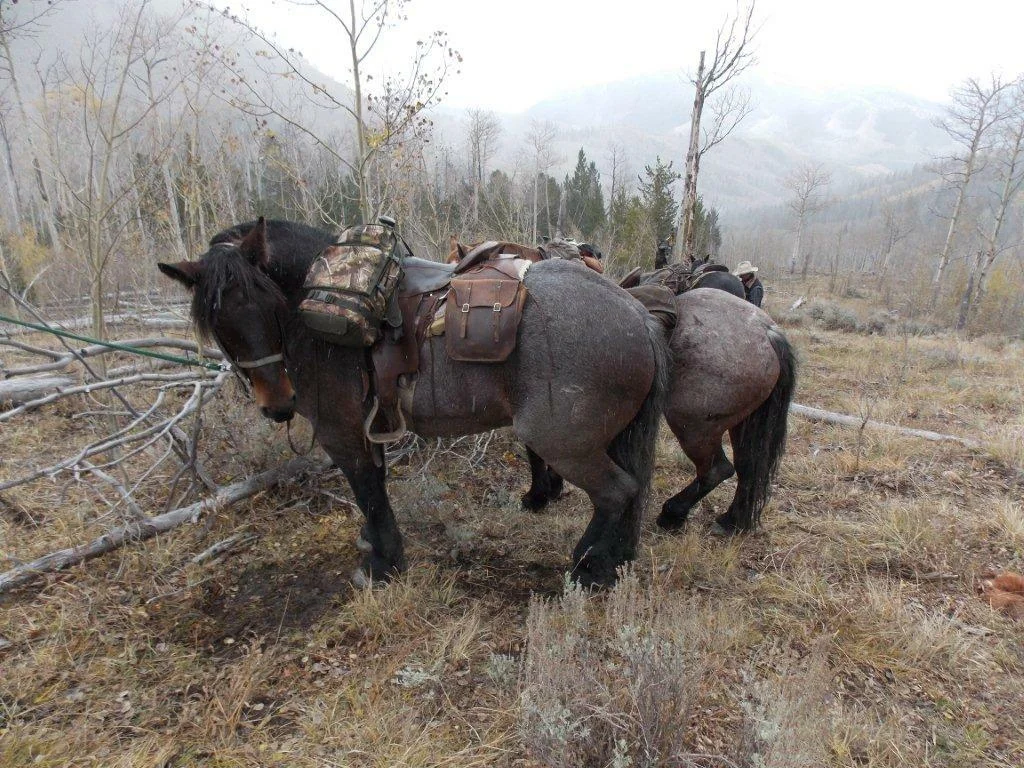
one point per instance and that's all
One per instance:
(583, 388)
(679, 278)
(732, 370)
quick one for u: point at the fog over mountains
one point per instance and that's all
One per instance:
(858, 135)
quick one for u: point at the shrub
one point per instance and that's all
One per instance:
(877, 324)
(916, 328)
(839, 319)
(789, 319)
(611, 692)
(788, 725)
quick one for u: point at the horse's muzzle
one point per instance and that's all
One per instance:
(280, 413)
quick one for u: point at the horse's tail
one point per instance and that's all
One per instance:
(762, 438)
(633, 448)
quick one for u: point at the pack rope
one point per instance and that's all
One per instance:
(114, 345)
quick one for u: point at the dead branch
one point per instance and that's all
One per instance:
(160, 322)
(149, 527)
(123, 492)
(235, 541)
(20, 391)
(103, 384)
(125, 436)
(816, 414)
(60, 361)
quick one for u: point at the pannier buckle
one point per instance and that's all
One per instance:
(497, 307)
(465, 308)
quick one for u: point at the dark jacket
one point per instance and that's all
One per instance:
(754, 292)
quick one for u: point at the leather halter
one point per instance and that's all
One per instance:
(249, 364)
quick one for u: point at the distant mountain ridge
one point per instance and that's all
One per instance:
(856, 135)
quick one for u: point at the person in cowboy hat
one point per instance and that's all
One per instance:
(751, 285)
(662, 256)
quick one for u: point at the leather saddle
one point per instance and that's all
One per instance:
(482, 281)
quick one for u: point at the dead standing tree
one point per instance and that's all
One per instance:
(732, 56)
(1011, 174)
(808, 184)
(540, 138)
(482, 136)
(976, 109)
(43, 201)
(381, 122)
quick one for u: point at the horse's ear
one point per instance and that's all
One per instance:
(185, 272)
(461, 250)
(254, 245)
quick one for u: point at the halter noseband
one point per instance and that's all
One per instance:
(248, 364)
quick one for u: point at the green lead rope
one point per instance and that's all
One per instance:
(113, 345)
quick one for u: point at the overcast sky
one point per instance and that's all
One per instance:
(519, 52)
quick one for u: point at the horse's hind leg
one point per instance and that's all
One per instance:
(545, 484)
(613, 533)
(741, 454)
(712, 466)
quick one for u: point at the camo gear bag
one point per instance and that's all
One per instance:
(351, 286)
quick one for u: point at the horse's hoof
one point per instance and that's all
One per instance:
(592, 575)
(363, 545)
(726, 525)
(557, 488)
(361, 580)
(717, 529)
(533, 501)
(670, 523)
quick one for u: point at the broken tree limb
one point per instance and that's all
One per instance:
(816, 414)
(144, 529)
(19, 391)
(60, 361)
(231, 543)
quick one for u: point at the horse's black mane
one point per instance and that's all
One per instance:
(224, 267)
(278, 230)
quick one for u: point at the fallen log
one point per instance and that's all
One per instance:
(816, 414)
(158, 321)
(141, 530)
(23, 390)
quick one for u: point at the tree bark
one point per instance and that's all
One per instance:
(685, 235)
(18, 391)
(360, 165)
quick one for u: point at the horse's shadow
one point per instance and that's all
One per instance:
(272, 595)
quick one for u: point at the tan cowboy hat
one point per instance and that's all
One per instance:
(745, 268)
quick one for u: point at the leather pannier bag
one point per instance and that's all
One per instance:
(482, 317)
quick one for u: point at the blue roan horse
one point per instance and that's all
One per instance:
(733, 371)
(583, 389)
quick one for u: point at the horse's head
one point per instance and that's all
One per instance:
(235, 303)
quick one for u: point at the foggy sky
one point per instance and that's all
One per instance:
(518, 53)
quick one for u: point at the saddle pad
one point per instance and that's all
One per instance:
(482, 318)
(659, 301)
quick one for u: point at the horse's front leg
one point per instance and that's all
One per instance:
(380, 540)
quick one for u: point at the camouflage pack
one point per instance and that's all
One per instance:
(350, 286)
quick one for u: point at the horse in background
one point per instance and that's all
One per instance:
(733, 370)
(680, 278)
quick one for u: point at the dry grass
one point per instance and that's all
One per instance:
(846, 633)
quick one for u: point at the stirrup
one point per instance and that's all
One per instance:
(383, 438)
